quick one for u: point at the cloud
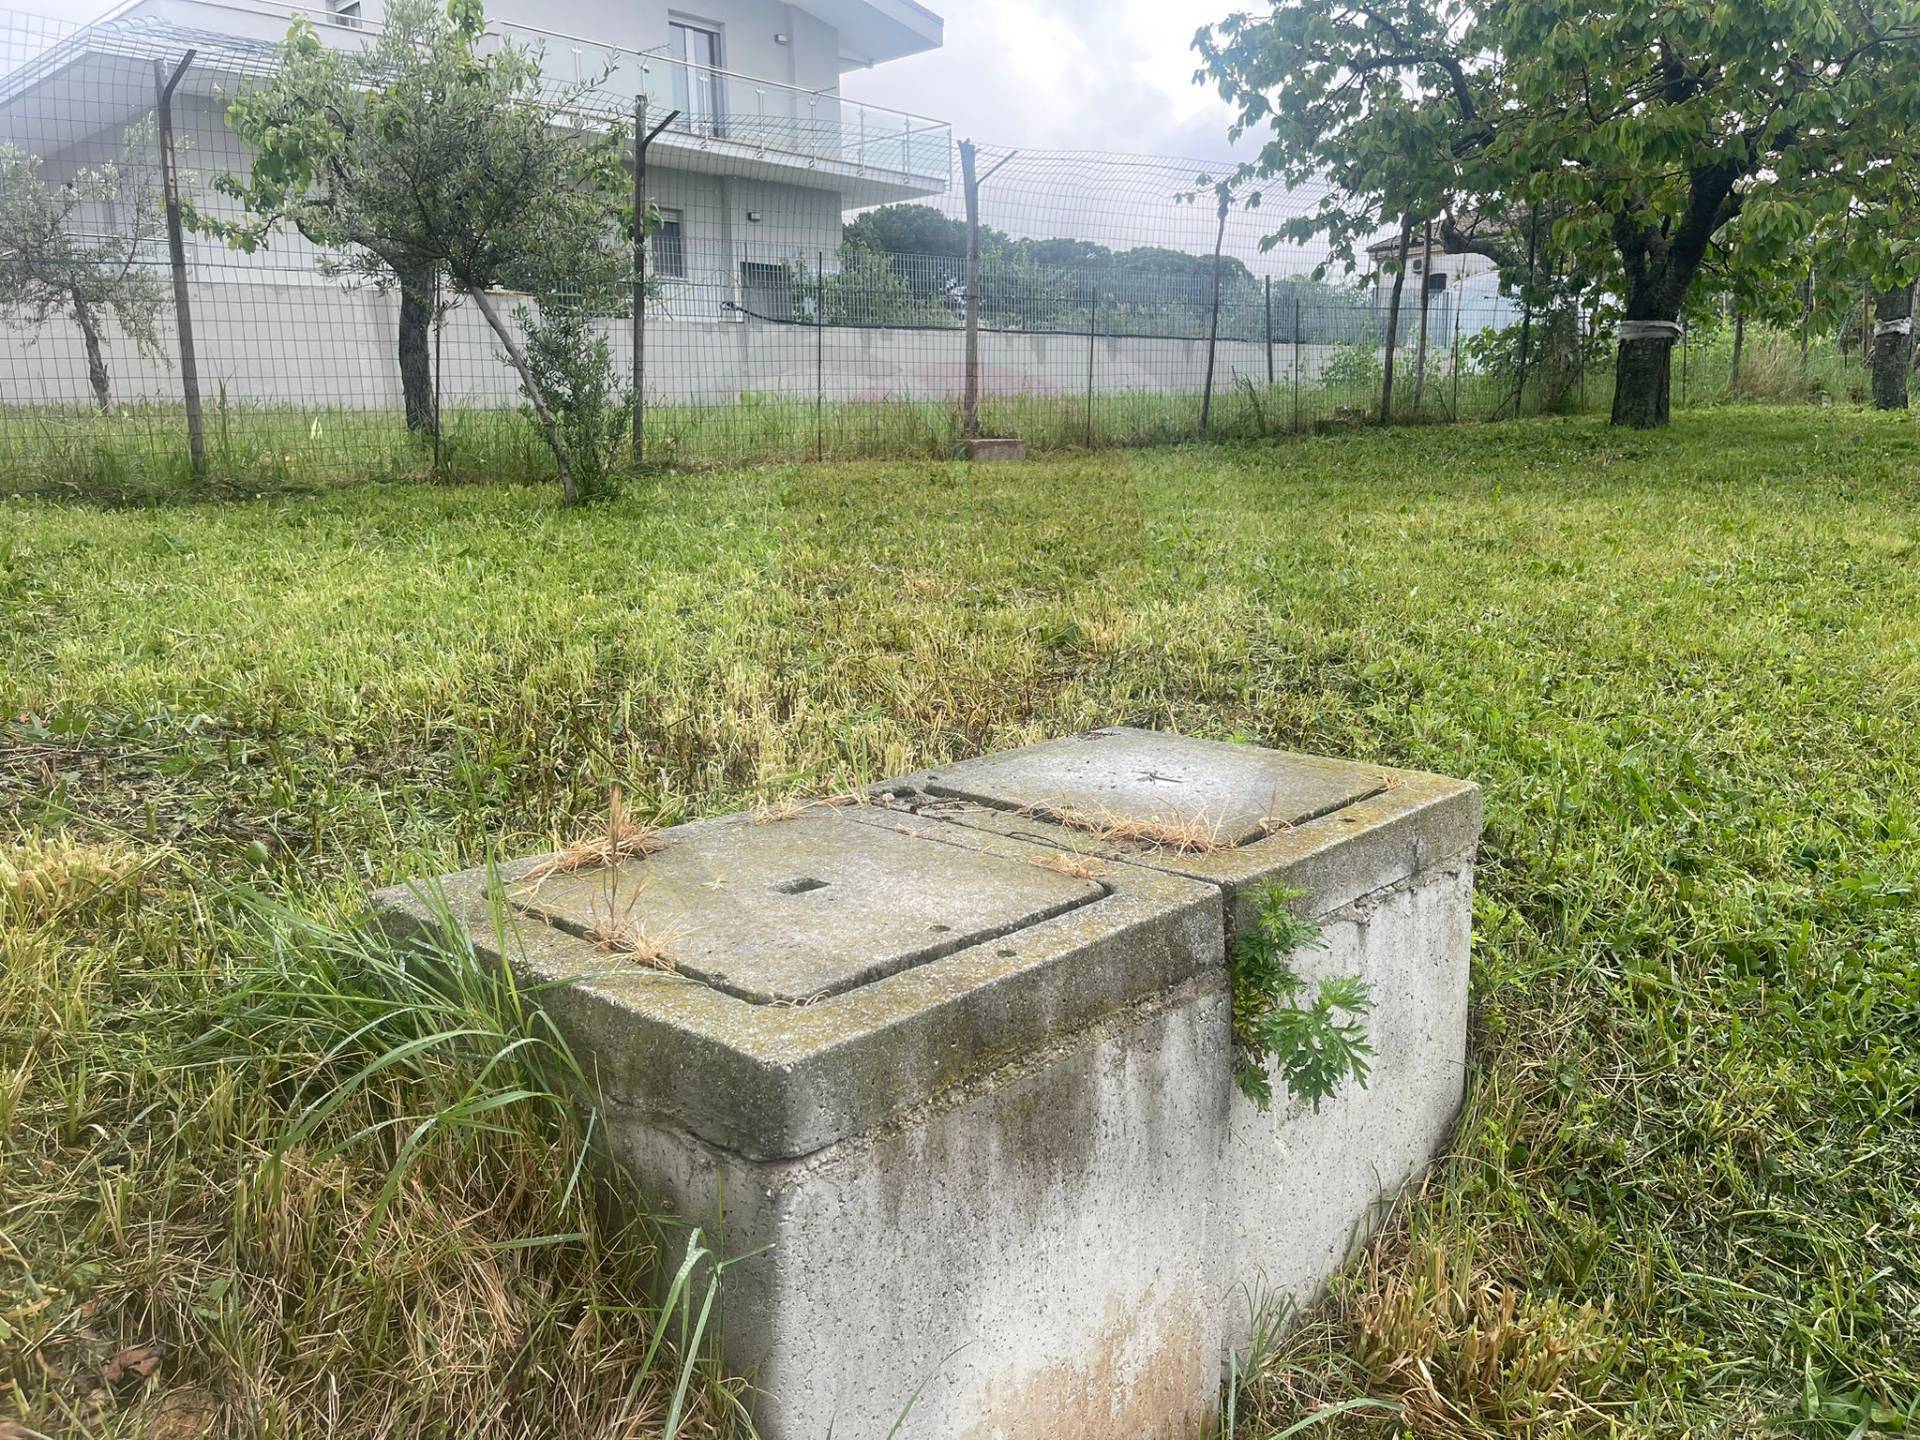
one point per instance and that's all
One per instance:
(1065, 75)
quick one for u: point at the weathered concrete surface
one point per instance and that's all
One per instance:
(1030, 1257)
(1228, 794)
(1383, 859)
(1304, 1188)
(793, 911)
(773, 1081)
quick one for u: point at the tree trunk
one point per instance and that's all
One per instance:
(539, 402)
(1642, 383)
(96, 358)
(416, 349)
(1892, 347)
(1393, 323)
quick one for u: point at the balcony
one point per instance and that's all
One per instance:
(724, 122)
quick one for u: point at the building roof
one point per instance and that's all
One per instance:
(874, 31)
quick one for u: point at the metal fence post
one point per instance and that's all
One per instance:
(820, 355)
(163, 85)
(971, 182)
(1093, 316)
(1683, 362)
(1269, 332)
(970, 383)
(1426, 300)
(1456, 355)
(439, 411)
(1296, 362)
(639, 299)
(1213, 324)
(1580, 354)
(642, 138)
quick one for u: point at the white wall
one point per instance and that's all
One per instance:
(314, 347)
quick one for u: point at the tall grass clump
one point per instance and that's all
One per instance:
(270, 1174)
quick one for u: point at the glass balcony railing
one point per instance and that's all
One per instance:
(712, 108)
(719, 108)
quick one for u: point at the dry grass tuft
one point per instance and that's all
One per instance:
(1080, 867)
(1456, 1344)
(794, 806)
(1182, 835)
(621, 838)
(43, 877)
(632, 942)
(1446, 1348)
(613, 928)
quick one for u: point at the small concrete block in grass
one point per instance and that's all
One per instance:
(953, 1068)
(989, 450)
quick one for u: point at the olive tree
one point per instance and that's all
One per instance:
(417, 155)
(73, 250)
(1644, 131)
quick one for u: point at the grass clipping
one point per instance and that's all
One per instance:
(621, 838)
(1181, 835)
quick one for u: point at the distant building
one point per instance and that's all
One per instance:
(1465, 287)
(760, 163)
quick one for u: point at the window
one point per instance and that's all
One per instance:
(1437, 281)
(344, 12)
(697, 84)
(670, 246)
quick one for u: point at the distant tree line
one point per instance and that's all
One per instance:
(904, 265)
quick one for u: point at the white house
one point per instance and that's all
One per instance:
(1462, 288)
(755, 170)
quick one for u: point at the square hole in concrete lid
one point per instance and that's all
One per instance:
(1234, 794)
(794, 910)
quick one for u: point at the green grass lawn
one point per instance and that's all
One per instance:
(1685, 1192)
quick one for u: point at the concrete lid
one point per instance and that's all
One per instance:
(797, 910)
(785, 1028)
(1121, 780)
(1330, 829)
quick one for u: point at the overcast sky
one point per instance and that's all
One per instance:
(1064, 75)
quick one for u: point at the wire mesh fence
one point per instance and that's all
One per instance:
(813, 287)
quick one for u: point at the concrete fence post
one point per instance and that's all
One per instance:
(1683, 361)
(1426, 299)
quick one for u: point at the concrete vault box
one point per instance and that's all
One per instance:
(954, 1071)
